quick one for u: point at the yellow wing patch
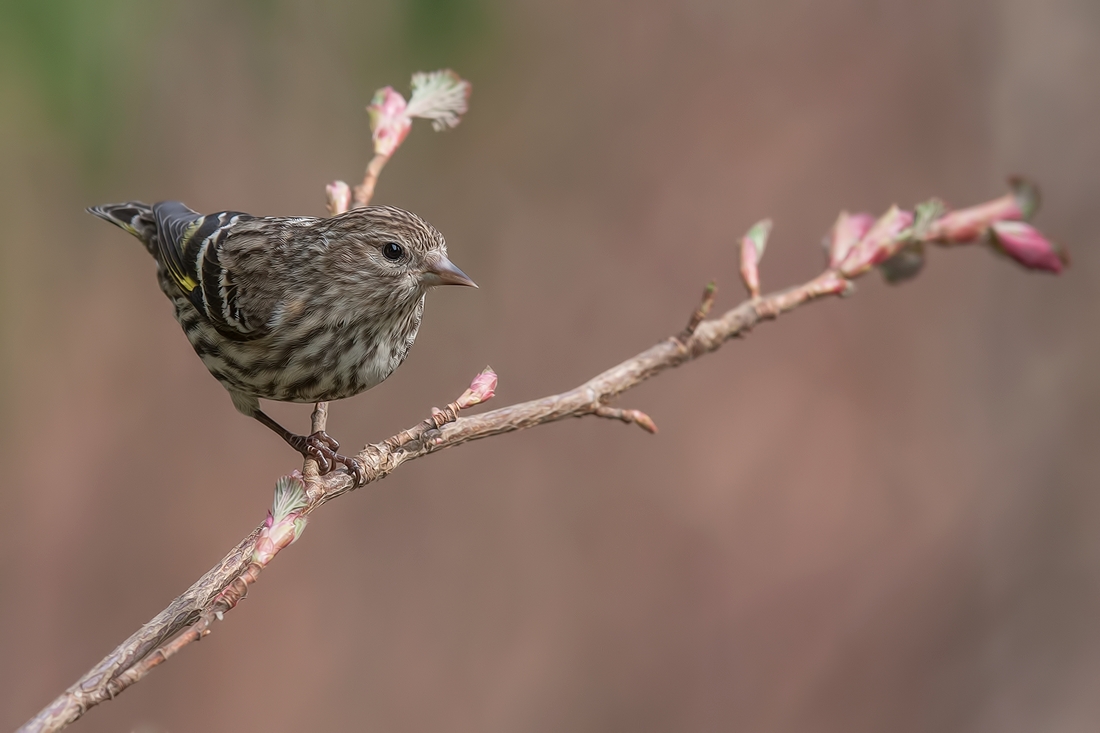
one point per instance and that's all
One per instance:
(174, 265)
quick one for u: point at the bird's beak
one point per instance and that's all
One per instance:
(442, 271)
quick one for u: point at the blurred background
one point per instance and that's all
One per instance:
(878, 514)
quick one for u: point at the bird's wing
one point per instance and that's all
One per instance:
(190, 245)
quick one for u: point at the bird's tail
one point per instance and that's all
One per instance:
(133, 216)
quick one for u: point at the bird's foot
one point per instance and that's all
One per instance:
(322, 447)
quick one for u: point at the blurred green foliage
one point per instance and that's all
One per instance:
(439, 33)
(87, 62)
(79, 57)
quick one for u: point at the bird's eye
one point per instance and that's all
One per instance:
(393, 251)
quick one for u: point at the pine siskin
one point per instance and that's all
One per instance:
(294, 309)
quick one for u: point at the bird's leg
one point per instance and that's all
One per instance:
(319, 446)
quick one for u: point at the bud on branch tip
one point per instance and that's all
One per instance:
(338, 195)
(481, 389)
(885, 237)
(752, 251)
(970, 224)
(285, 520)
(1027, 245)
(439, 96)
(845, 234)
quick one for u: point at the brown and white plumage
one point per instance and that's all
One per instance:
(294, 309)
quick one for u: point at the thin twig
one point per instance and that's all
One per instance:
(700, 313)
(364, 191)
(630, 417)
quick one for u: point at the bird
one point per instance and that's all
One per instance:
(294, 309)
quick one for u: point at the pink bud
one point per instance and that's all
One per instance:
(285, 520)
(879, 244)
(388, 120)
(277, 536)
(845, 234)
(1027, 245)
(284, 533)
(338, 194)
(264, 550)
(968, 225)
(644, 421)
(752, 251)
(481, 389)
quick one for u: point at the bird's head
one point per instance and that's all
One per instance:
(383, 248)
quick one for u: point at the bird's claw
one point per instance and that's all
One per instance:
(322, 447)
(321, 454)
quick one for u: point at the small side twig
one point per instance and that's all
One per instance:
(635, 417)
(364, 192)
(700, 313)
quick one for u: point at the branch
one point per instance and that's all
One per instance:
(856, 244)
(590, 398)
(219, 590)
